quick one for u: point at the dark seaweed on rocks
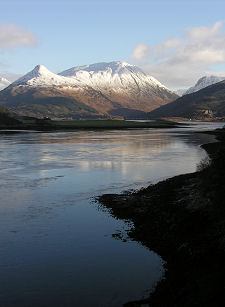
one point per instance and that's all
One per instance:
(183, 220)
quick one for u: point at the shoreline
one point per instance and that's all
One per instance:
(73, 125)
(183, 220)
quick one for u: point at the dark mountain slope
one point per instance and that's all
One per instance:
(206, 103)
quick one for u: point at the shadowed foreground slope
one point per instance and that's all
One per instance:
(183, 220)
(207, 103)
(71, 125)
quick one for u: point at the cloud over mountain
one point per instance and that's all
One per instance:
(177, 61)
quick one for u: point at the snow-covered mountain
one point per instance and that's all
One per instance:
(180, 92)
(118, 76)
(4, 83)
(99, 89)
(204, 82)
(40, 76)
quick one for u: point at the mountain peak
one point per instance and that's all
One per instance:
(113, 75)
(204, 82)
(112, 68)
(40, 69)
(41, 76)
(117, 63)
(122, 63)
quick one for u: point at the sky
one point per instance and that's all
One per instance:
(177, 42)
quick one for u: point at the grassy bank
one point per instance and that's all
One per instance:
(183, 220)
(69, 125)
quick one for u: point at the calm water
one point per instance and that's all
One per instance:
(56, 246)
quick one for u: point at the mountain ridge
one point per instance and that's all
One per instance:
(113, 73)
(205, 104)
(41, 76)
(204, 82)
(111, 86)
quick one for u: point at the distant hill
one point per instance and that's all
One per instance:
(203, 82)
(180, 92)
(91, 91)
(207, 103)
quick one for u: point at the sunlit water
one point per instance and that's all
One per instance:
(56, 246)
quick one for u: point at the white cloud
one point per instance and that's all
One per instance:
(12, 35)
(204, 32)
(141, 51)
(179, 62)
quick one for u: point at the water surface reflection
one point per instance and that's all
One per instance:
(55, 246)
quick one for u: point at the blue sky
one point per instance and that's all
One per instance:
(62, 34)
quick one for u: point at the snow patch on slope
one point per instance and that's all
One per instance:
(113, 75)
(204, 82)
(41, 76)
(181, 92)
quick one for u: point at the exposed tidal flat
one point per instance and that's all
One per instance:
(57, 247)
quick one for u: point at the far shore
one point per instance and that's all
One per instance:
(183, 220)
(70, 125)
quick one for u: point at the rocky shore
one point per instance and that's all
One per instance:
(183, 220)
